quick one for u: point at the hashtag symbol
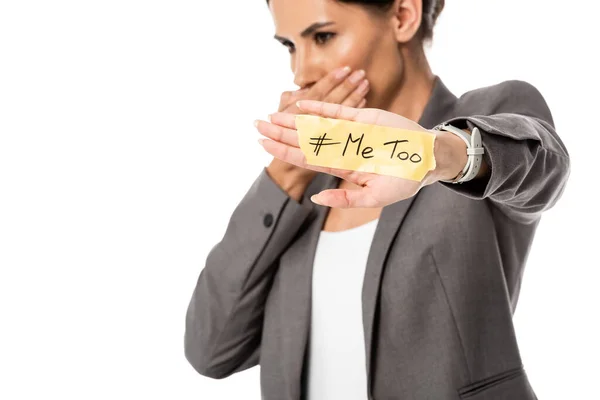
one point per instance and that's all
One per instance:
(320, 143)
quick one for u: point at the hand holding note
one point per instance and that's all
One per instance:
(392, 161)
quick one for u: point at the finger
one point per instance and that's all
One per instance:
(284, 119)
(345, 88)
(300, 92)
(357, 96)
(290, 154)
(362, 104)
(285, 99)
(285, 95)
(328, 110)
(345, 198)
(278, 133)
(297, 95)
(325, 85)
(289, 97)
(293, 155)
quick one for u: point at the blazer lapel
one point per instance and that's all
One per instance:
(389, 223)
(440, 105)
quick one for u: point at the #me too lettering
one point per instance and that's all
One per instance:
(395, 147)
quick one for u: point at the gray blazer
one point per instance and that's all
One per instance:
(442, 278)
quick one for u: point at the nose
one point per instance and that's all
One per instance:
(306, 68)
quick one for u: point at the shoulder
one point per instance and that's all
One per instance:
(506, 89)
(511, 96)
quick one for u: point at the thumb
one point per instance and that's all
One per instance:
(344, 198)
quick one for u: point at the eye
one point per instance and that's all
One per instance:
(323, 37)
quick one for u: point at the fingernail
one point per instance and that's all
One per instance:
(342, 72)
(269, 116)
(298, 104)
(313, 198)
(256, 123)
(260, 141)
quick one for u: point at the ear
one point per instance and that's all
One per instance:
(406, 19)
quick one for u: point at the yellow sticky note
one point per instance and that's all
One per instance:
(336, 143)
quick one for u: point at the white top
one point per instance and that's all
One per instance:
(336, 349)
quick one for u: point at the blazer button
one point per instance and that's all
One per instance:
(268, 220)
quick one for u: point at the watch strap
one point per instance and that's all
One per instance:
(475, 152)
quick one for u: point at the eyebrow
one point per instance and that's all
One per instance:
(308, 31)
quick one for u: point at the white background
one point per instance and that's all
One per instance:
(112, 190)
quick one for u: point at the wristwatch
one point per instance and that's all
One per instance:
(474, 152)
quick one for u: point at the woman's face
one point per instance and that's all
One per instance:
(322, 35)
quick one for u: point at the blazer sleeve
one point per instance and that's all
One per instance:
(529, 163)
(224, 319)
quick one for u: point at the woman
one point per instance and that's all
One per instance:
(387, 288)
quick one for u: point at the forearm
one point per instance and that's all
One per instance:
(224, 316)
(527, 165)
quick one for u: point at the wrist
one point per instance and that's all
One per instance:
(450, 153)
(287, 180)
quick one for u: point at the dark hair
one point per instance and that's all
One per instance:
(431, 12)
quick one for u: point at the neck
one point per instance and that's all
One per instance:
(415, 86)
